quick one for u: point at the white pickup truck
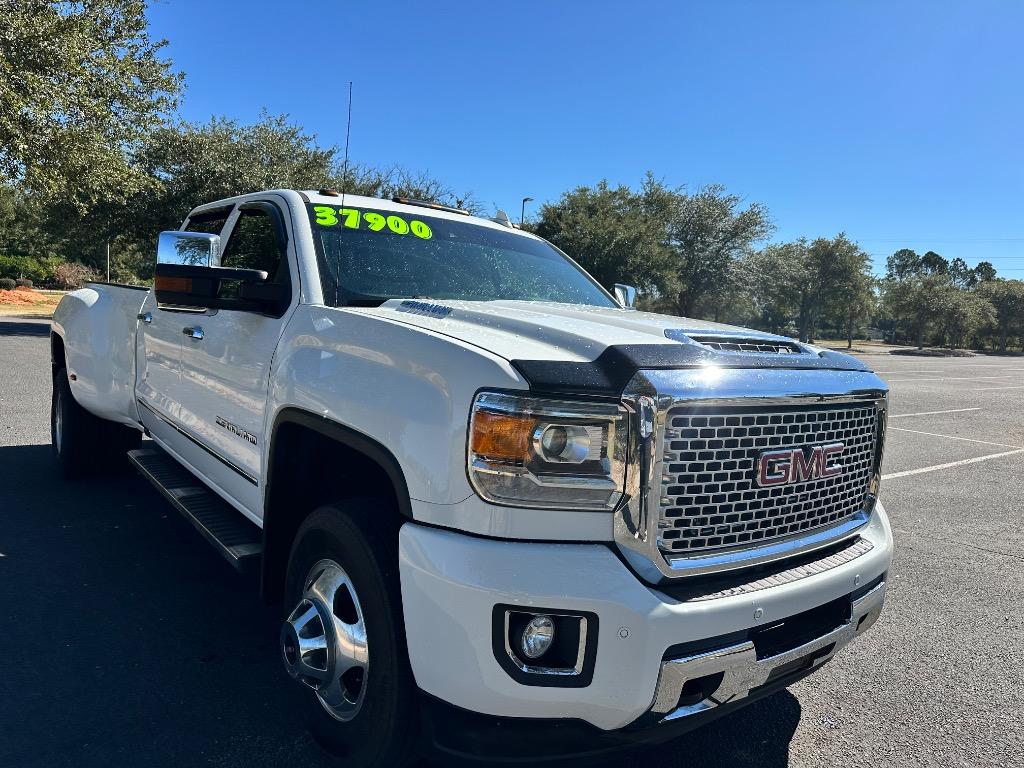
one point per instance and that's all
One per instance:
(507, 515)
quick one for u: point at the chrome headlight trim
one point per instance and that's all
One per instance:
(594, 484)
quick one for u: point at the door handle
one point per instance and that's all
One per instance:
(146, 317)
(193, 332)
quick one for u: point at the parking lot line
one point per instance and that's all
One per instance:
(952, 378)
(992, 389)
(930, 413)
(950, 465)
(954, 437)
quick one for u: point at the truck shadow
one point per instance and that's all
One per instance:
(24, 327)
(125, 635)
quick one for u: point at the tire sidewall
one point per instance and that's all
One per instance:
(67, 450)
(383, 731)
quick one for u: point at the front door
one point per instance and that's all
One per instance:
(159, 388)
(226, 357)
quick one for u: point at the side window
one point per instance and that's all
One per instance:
(208, 222)
(254, 244)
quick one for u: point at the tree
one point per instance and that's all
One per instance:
(962, 275)
(828, 279)
(961, 314)
(81, 86)
(188, 164)
(934, 264)
(917, 302)
(1007, 300)
(777, 283)
(902, 264)
(191, 164)
(617, 234)
(984, 272)
(708, 234)
(395, 181)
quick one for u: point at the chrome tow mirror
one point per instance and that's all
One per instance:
(625, 295)
(191, 249)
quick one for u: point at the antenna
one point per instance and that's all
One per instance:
(344, 183)
(348, 134)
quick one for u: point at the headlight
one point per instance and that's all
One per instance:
(535, 452)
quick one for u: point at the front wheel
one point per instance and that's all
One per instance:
(343, 637)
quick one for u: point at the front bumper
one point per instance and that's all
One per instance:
(649, 642)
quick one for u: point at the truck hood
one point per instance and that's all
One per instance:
(541, 337)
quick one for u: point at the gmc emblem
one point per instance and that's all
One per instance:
(795, 465)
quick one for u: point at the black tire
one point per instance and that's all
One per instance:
(385, 731)
(85, 445)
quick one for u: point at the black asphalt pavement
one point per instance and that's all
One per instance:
(126, 640)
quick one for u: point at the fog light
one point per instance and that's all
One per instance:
(538, 635)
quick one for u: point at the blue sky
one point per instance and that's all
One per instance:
(897, 122)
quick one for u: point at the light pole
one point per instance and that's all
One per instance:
(522, 212)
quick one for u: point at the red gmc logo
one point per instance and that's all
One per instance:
(795, 465)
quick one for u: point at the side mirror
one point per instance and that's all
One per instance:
(188, 276)
(625, 295)
(194, 249)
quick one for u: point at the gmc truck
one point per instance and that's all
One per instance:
(506, 514)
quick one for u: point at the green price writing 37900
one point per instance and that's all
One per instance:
(353, 218)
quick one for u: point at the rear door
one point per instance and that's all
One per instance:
(226, 356)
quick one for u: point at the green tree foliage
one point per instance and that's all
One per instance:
(826, 280)
(912, 302)
(81, 85)
(193, 164)
(984, 272)
(777, 281)
(947, 302)
(708, 234)
(1007, 300)
(902, 264)
(395, 181)
(185, 165)
(617, 234)
(933, 264)
(961, 314)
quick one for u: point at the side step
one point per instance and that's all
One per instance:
(237, 539)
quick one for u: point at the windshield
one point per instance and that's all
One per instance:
(367, 257)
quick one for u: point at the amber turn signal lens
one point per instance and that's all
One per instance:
(173, 284)
(500, 436)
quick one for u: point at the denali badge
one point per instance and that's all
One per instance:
(795, 465)
(249, 437)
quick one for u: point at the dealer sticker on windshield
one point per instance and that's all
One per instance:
(354, 218)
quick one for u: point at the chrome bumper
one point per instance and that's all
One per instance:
(741, 670)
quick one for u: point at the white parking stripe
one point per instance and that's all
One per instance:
(954, 437)
(950, 465)
(954, 378)
(993, 389)
(929, 413)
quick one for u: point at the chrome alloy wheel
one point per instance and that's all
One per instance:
(323, 641)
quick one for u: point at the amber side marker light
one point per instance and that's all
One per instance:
(429, 204)
(173, 284)
(501, 436)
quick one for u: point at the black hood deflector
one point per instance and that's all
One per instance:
(609, 374)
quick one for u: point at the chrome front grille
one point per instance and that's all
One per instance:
(710, 498)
